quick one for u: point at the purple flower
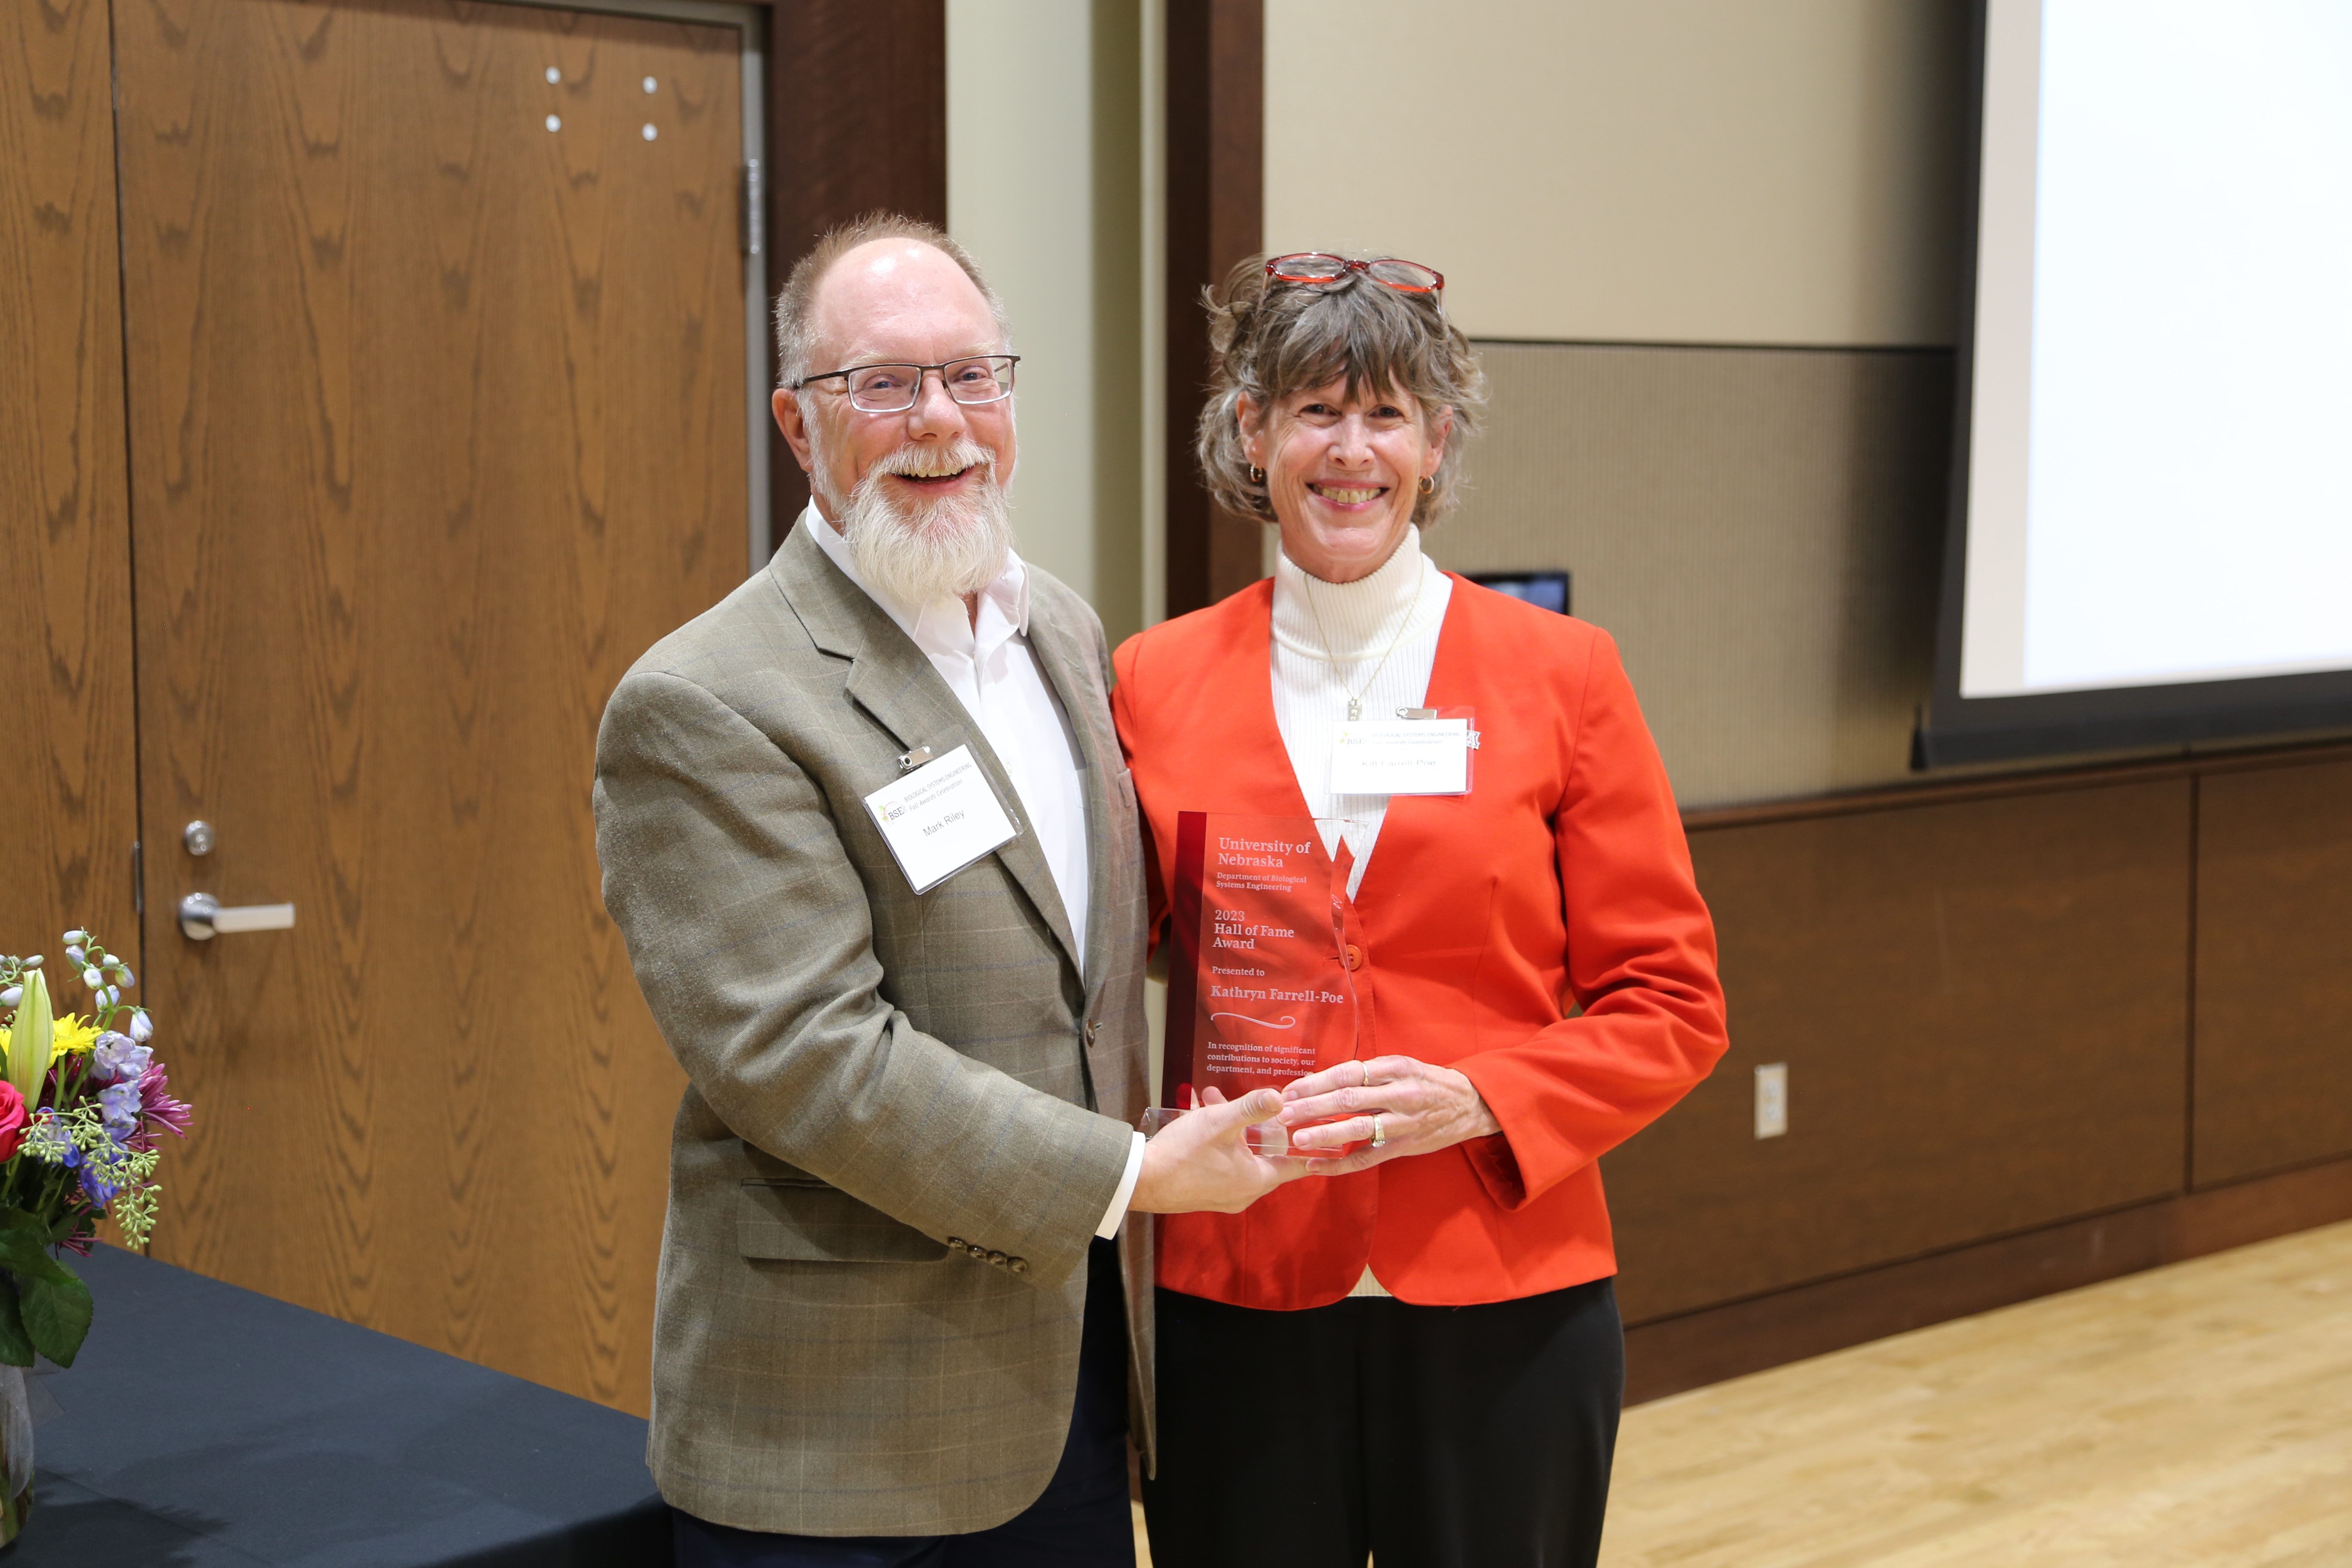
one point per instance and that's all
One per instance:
(118, 1059)
(120, 1106)
(159, 1108)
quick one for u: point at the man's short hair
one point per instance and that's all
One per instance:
(796, 304)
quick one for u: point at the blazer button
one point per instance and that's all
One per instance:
(997, 1258)
(977, 1251)
(955, 1244)
(1355, 956)
(1094, 1027)
(1018, 1265)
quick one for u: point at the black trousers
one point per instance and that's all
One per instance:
(1082, 1520)
(1428, 1436)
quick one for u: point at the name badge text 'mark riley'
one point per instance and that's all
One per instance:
(941, 818)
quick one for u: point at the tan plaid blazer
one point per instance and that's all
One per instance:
(905, 1115)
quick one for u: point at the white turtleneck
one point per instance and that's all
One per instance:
(1362, 621)
(1381, 633)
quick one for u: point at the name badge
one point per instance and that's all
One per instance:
(941, 818)
(1402, 756)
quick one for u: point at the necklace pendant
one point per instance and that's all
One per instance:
(1354, 709)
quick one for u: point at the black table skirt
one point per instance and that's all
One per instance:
(205, 1427)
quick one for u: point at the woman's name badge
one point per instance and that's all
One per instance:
(939, 819)
(1402, 756)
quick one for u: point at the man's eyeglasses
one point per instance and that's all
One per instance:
(895, 388)
(1320, 267)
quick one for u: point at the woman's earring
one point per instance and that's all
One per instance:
(1428, 485)
(1257, 474)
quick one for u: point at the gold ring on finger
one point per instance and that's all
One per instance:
(1380, 1134)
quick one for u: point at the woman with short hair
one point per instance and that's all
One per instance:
(1426, 1339)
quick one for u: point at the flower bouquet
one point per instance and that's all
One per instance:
(82, 1101)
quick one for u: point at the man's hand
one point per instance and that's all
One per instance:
(1199, 1161)
(1421, 1107)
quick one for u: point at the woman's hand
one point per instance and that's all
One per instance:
(1420, 1109)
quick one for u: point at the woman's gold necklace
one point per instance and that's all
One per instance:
(1356, 698)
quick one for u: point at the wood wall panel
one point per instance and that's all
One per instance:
(858, 118)
(1668, 1355)
(1983, 1010)
(69, 772)
(439, 425)
(1216, 185)
(2273, 1085)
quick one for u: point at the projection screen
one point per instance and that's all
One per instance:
(2151, 531)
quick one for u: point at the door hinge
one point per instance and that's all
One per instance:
(752, 208)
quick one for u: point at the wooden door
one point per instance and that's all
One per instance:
(435, 335)
(69, 773)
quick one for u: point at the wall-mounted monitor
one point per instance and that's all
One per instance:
(2152, 528)
(1546, 590)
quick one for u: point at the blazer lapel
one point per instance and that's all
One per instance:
(891, 678)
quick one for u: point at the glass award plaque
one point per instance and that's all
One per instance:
(1260, 990)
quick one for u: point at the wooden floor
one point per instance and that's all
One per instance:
(2199, 1413)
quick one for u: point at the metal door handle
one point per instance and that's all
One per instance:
(202, 917)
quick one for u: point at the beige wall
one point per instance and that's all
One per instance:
(1704, 241)
(1044, 153)
(1758, 529)
(1632, 171)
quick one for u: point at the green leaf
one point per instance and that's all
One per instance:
(56, 1313)
(15, 1345)
(23, 1244)
(46, 1307)
(24, 1236)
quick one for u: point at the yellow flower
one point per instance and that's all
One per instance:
(73, 1036)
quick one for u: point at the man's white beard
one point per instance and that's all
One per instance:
(925, 549)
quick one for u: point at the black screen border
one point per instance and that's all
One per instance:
(1959, 730)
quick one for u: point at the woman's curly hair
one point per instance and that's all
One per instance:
(1269, 339)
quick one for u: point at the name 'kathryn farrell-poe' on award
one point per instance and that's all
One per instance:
(1261, 978)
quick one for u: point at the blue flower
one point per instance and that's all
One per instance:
(97, 1182)
(118, 1059)
(47, 1140)
(119, 1107)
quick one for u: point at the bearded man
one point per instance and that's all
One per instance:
(892, 1326)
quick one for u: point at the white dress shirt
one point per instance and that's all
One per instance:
(988, 663)
(1375, 638)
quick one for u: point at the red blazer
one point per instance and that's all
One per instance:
(1563, 874)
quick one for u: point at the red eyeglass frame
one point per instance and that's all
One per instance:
(1348, 267)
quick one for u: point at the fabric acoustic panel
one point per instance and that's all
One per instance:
(1983, 1006)
(2274, 1085)
(1758, 528)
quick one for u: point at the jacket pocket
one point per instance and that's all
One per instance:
(805, 1221)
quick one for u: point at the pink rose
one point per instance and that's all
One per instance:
(12, 1121)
